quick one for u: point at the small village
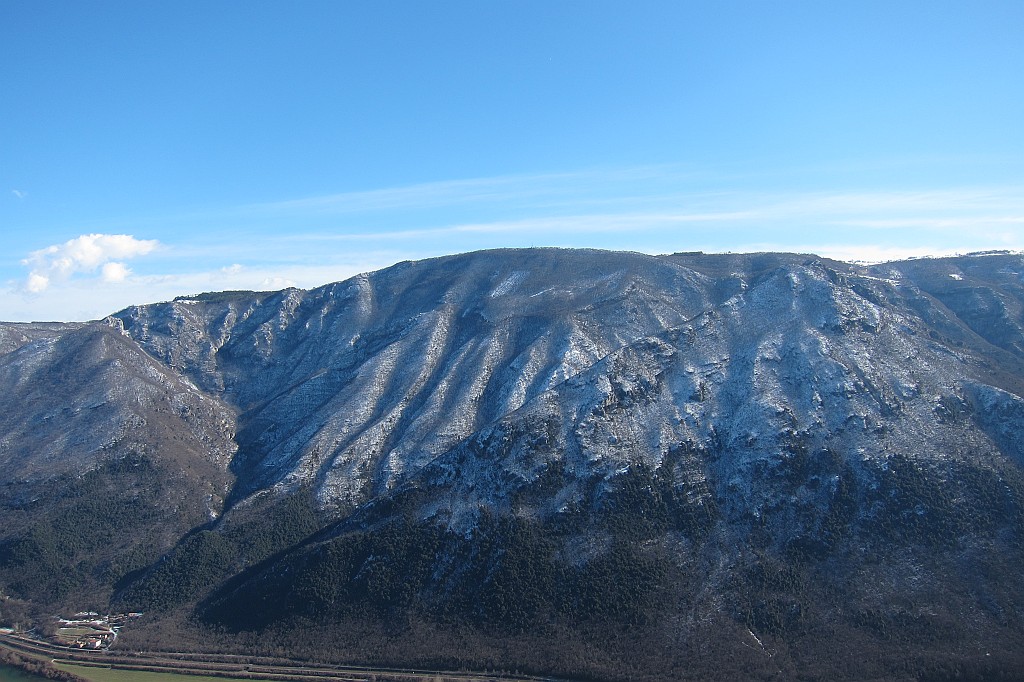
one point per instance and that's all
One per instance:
(89, 630)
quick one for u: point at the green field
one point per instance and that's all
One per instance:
(82, 631)
(11, 674)
(109, 675)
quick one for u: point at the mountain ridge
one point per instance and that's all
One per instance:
(518, 442)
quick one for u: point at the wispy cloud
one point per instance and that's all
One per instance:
(315, 240)
(969, 216)
(19, 193)
(582, 224)
(934, 223)
(647, 196)
(523, 190)
(567, 208)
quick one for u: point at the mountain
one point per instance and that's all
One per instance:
(583, 463)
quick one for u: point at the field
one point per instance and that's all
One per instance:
(111, 675)
(111, 666)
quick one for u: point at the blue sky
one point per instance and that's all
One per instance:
(153, 149)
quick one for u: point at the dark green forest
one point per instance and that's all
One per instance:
(621, 582)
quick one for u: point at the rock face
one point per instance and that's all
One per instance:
(786, 442)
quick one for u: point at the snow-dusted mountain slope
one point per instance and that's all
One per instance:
(357, 386)
(804, 407)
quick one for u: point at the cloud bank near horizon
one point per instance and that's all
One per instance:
(650, 210)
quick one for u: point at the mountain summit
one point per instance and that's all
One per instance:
(573, 462)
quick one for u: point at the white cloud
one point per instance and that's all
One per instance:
(859, 253)
(276, 283)
(85, 254)
(114, 272)
(20, 193)
(37, 283)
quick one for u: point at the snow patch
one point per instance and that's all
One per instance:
(510, 282)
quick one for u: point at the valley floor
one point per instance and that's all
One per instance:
(113, 666)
